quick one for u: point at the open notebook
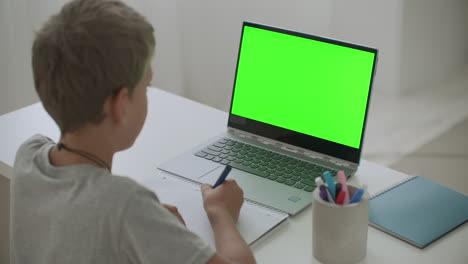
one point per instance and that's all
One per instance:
(254, 220)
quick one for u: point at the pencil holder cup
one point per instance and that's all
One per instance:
(339, 232)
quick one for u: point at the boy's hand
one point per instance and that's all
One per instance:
(174, 211)
(226, 199)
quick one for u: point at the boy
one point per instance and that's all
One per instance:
(91, 66)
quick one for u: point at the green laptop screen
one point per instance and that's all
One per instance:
(308, 86)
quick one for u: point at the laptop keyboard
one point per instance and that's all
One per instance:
(264, 163)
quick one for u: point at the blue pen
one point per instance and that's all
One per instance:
(357, 196)
(223, 176)
(331, 184)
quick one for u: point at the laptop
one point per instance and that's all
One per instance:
(298, 109)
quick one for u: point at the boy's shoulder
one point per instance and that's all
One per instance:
(28, 152)
(32, 160)
(32, 145)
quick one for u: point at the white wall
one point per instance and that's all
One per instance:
(420, 42)
(20, 18)
(376, 23)
(211, 29)
(167, 65)
(434, 42)
(197, 41)
(3, 61)
(16, 84)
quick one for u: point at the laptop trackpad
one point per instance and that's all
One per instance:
(211, 177)
(264, 191)
(189, 166)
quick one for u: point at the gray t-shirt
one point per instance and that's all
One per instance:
(84, 214)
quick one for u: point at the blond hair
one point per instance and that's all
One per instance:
(85, 53)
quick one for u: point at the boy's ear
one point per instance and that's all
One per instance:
(118, 105)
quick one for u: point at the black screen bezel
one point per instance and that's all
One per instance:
(291, 137)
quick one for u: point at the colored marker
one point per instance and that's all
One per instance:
(344, 186)
(357, 196)
(340, 197)
(319, 182)
(323, 193)
(331, 184)
(338, 188)
(223, 176)
(329, 197)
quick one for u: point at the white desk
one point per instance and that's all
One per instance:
(175, 124)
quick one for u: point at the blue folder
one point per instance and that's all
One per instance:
(418, 211)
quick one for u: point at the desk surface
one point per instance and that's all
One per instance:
(175, 124)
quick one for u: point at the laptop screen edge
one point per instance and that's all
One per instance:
(292, 137)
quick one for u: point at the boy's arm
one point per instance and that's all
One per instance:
(229, 242)
(222, 206)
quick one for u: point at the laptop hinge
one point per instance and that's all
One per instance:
(294, 149)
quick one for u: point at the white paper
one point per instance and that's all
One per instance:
(254, 221)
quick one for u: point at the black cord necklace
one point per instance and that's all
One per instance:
(85, 154)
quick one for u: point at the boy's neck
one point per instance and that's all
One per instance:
(90, 141)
